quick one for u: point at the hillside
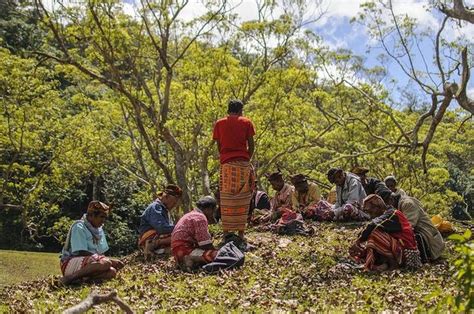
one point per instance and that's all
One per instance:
(283, 273)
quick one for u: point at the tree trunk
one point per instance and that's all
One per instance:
(182, 181)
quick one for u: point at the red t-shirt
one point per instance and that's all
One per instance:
(232, 133)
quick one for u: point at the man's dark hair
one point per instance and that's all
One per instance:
(235, 106)
(206, 202)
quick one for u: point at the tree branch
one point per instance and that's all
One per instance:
(95, 299)
(458, 11)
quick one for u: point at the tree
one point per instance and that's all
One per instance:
(443, 80)
(139, 58)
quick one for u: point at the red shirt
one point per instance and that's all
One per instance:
(232, 133)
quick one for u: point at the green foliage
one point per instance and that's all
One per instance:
(69, 137)
(464, 271)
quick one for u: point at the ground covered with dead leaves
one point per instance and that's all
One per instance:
(281, 274)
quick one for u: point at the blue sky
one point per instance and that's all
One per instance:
(335, 28)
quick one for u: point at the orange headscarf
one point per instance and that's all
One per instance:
(95, 206)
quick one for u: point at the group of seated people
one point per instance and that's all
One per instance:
(399, 233)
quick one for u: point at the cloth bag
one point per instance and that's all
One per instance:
(228, 257)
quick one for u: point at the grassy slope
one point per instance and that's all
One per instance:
(16, 267)
(296, 274)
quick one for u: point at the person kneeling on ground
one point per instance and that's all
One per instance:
(306, 194)
(155, 222)
(429, 239)
(191, 243)
(82, 254)
(349, 196)
(389, 238)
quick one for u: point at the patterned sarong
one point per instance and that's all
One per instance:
(324, 211)
(181, 249)
(236, 184)
(382, 243)
(151, 235)
(76, 263)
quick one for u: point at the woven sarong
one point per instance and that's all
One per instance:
(76, 263)
(381, 243)
(151, 235)
(235, 185)
(181, 249)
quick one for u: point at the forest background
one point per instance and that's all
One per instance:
(99, 104)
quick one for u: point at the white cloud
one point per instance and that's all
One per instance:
(470, 92)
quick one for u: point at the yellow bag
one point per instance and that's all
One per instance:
(442, 225)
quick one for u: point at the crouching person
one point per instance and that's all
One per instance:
(156, 224)
(82, 254)
(191, 243)
(388, 241)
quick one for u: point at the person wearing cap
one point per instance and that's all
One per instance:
(391, 183)
(83, 252)
(349, 195)
(371, 185)
(389, 239)
(156, 224)
(234, 137)
(305, 194)
(429, 239)
(191, 243)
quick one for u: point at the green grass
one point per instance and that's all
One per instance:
(297, 274)
(16, 267)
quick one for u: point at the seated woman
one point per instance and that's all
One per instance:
(191, 243)
(82, 254)
(281, 199)
(429, 239)
(155, 222)
(389, 239)
(305, 194)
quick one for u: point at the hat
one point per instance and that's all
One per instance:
(374, 199)
(298, 178)
(359, 170)
(274, 176)
(96, 206)
(332, 173)
(173, 190)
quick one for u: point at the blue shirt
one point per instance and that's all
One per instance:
(82, 240)
(155, 216)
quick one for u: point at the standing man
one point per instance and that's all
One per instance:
(234, 137)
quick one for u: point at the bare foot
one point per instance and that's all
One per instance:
(188, 263)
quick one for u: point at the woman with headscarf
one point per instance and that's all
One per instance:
(83, 253)
(388, 241)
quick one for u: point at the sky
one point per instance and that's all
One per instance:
(338, 32)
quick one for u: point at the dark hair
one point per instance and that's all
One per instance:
(384, 193)
(332, 174)
(206, 202)
(235, 106)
